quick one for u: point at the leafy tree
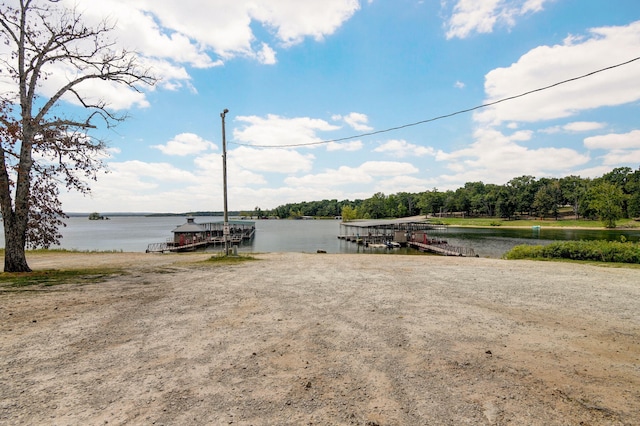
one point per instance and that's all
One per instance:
(574, 190)
(39, 146)
(607, 200)
(349, 213)
(547, 198)
(431, 202)
(506, 202)
(375, 207)
(525, 191)
(633, 189)
(620, 177)
(490, 199)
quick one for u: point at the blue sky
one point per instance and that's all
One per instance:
(295, 72)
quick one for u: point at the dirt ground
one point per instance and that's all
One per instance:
(323, 339)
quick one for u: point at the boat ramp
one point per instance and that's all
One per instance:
(401, 233)
(193, 236)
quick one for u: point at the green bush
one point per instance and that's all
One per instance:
(600, 251)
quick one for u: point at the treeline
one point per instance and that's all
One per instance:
(609, 198)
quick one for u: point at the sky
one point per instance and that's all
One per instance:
(341, 99)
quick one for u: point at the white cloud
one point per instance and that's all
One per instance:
(294, 20)
(401, 148)
(357, 121)
(343, 176)
(388, 168)
(575, 127)
(345, 146)
(404, 184)
(131, 172)
(170, 35)
(583, 126)
(272, 160)
(189, 28)
(346, 176)
(619, 157)
(474, 16)
(546, 65)
(274, 130)
(267, 55)
(185, 144)
(614, 141)
(496, 158)
(459, 85)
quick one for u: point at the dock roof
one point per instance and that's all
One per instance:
(383, 222)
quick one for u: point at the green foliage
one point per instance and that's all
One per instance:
(607, 201)
(349, 213)
(599, 251)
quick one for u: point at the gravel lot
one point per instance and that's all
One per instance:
(297, 339)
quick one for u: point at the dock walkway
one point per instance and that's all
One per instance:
(443, 249)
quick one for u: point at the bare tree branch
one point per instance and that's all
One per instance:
(38, 150)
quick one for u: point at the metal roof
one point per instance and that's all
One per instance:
(383, 222)
(192, 227)
(189, 227)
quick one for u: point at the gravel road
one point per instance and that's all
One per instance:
(322, 339)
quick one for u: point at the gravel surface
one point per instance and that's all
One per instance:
(323, 339)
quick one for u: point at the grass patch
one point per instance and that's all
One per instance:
(550, 223)
(51, 277)
(221, 259)
(597, 250)
(63, 251)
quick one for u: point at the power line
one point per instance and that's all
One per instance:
(440, 117)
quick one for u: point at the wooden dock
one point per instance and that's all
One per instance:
(443, 249)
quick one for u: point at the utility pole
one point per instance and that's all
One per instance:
(224, 181)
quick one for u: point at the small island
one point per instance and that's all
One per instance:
(97, 216)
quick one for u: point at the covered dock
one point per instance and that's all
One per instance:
(382, 231)
(192, 236)
(407, 232)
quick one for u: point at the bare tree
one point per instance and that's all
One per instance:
(40, 147)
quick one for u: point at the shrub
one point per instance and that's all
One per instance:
(598, 250)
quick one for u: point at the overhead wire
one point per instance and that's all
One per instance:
(440, 117)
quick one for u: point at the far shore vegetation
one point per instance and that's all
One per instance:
(565, 222)
(609, 201)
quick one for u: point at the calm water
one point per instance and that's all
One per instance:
(134, 233)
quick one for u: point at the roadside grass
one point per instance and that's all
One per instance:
(52, 277)
(63, 251)
(550, 223)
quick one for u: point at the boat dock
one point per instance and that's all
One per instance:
(401, 233)
(382, 231)
(193, 236)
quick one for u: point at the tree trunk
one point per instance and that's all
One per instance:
(15, 259)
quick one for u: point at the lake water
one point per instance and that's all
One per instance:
(134, 233)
